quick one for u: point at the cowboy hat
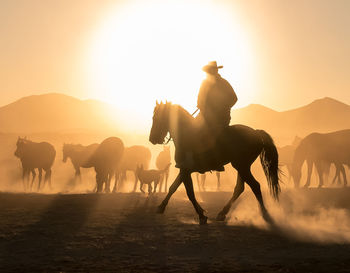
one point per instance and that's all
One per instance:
(210, 66)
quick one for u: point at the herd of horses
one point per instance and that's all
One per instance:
(110, 159)
(321, 151)
(238, 145)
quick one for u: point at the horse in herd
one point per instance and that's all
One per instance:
(35, 155)
(79, 155)
(322, 150)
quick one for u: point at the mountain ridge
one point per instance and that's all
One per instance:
(52, 112)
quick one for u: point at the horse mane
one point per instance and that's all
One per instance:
(184, 117)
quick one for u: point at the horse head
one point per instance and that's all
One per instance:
(160, 124)
(67, 148)
(21, 143)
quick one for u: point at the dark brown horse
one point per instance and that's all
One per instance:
(106, 161)
(80, 156)
(162, 161)
(238, 144)
(321, 150)
(36, 155)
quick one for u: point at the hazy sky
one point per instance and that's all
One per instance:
(298, 49)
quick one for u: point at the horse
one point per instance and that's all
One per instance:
(80, 156)
(36, 155)
(237, 144)
(201, 181)
(134, 156)
(106, 160)
(321, 150)
(149, 176)
(163, 159)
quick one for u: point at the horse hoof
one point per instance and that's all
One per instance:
(220, 217)
(160, 209)
(203, 220)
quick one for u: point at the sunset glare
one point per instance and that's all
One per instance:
(150, 50)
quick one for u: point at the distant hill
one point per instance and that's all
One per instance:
(62, 113)
(322, 115)
(56, 112)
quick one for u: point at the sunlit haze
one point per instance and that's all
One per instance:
(148, 50)
(281, 54)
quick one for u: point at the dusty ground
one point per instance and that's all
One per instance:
(121, 233)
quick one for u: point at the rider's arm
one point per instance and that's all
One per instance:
(231, 94)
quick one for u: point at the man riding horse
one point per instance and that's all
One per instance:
(215, 99)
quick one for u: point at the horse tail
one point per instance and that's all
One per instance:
(269, 162)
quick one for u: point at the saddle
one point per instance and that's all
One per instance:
(200, 155)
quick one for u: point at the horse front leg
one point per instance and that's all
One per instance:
(177, 182)
(239, 188)
(24, 172)
(255, 186)
(190, 193)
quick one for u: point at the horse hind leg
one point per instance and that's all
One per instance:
(255, 186)
(116, 180)
(239, 188)
(47, 179)
(309, 173)
(107, 180)
(203, 178)
(344, 175)
(166, 181)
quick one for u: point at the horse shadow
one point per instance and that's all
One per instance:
(43, 244)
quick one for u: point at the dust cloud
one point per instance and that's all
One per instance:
(310, 215)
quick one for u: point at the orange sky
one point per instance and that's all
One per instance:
(298, 50)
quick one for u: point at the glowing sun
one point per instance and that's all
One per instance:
(148, 50)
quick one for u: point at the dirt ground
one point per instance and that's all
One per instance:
(122, 233)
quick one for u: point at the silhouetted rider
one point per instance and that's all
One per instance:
(215, 99)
